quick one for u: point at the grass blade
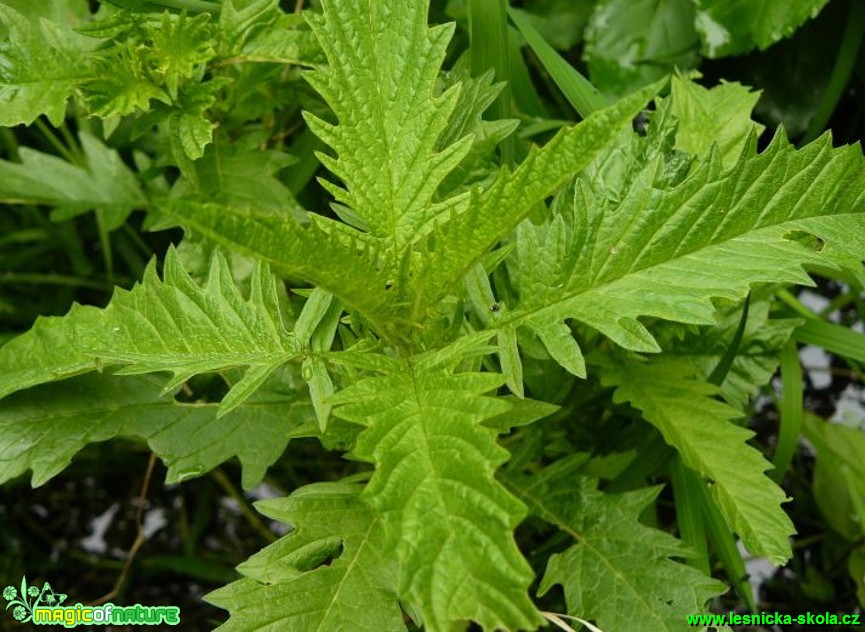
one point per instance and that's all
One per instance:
(836, 339)
(689, 514)
(579, 92)
(488, 29)
(791, 410)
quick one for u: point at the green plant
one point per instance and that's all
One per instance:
(513, 353)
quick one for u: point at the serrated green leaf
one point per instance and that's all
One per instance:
(241, 176)
(289, 585)
(631, 43)
(182, 46)
(480, 219)
(735, 27)
(318, 253)
(259, 31)
(719, 116)
(700, 429)
(450, 523)
(189, 128)
(120, 86)
(45, 427)
(476, 94)
(618, 572)
(667, 252)
(171, 325)
(40, 68)
(104, 182)
(383, 63)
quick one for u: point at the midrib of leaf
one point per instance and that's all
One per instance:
(360, 547)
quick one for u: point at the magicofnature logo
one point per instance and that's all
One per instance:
(43, 606)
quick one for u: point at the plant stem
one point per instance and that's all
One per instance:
(53, 279)
(52, 139)
(251, 517)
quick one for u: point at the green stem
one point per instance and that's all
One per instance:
(52, 139)
(251, 517)
(850, 43)
(791, 410)
(9, 142)
(53, 279)
(793, 303)
(105, 241)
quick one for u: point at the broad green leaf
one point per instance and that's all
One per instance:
(104, 182)
(700, 428)
(380, 82)
(171, 325)
(66, 14)
(630, 43)
(668, 252)
(732, 27)
(40, 68)
(449, 522)
(43, 428)
(719, 116)
(291, 584)
(618, 572)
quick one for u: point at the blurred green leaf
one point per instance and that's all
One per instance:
(104, 182)
(560, 22)
(45, 427)
(630, 43)
(839, 448)
(731, 27)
